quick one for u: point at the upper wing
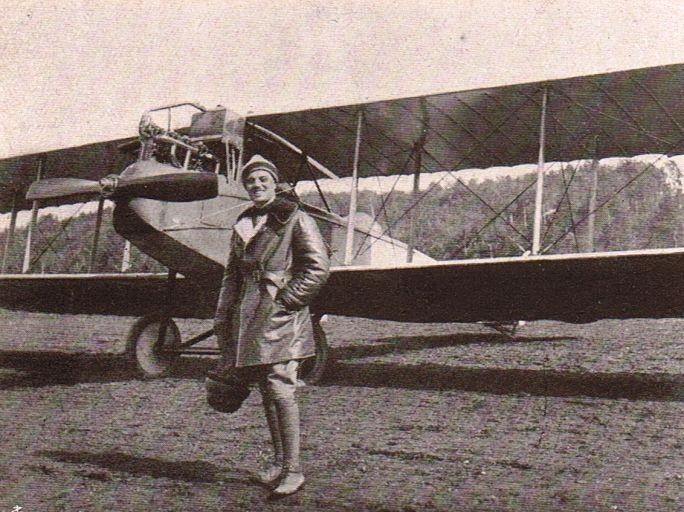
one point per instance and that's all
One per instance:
(615, 114)
(92, 161)
(625, 113)
(570, 288)
(107, 294)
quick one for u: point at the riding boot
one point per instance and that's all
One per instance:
(292, 478)
(272, 472)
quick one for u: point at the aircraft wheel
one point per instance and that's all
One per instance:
(313, 369)
(151, 355)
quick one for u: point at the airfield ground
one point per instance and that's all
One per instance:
(413, 417)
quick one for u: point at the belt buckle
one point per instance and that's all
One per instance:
(257, 275)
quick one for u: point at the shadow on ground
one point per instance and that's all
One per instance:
(37, 369)
(47, 368)
(187, 471)
(503, 381)
(54, 368)
(401, 344)
(509, 381)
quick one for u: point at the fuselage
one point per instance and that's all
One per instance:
(193, 238)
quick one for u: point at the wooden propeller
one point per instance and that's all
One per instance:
(176, 187)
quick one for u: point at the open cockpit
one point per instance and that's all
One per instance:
(190, 137)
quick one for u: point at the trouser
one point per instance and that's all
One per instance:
(277, 385)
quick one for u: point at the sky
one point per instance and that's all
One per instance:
(75, 72)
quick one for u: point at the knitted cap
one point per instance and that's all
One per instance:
(259, 163)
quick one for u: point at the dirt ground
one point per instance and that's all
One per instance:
(412, 417)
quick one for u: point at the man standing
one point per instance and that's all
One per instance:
(278, 262)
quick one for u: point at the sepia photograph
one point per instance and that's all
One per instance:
(346, 255)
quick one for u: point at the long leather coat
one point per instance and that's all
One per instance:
(262, 316)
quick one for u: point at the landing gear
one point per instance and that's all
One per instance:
(313, 369)
(152, 345)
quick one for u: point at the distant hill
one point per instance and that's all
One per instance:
(639, 206)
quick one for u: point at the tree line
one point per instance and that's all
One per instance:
(636, 205)
(65, 246)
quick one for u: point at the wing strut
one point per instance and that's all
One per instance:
(536, 238)
(26, 266)
(10, 234)
(96, 235)
(349, 245)
(126, 257)
(592, 200)
(418, 152)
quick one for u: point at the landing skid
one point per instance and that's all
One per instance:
(508, 329)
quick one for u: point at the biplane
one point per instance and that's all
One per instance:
(177, 193)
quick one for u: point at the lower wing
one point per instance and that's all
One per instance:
(108, 294)
(572, 288)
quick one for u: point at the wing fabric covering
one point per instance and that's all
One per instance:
(617, 114)
(107, 294)
(625, 113)
(571, 288)
(89, 162)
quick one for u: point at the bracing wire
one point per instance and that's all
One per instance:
(382, 208)
(449, 172)
(62, 231)
(565, 196)
(491, 220)
(649, 167)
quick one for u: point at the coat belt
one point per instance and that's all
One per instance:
(278, 277)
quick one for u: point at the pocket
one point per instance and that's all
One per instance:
(280, 323)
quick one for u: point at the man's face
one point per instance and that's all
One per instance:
(260, 186)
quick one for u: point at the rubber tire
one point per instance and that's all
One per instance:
(141, 346)
(312, 370)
